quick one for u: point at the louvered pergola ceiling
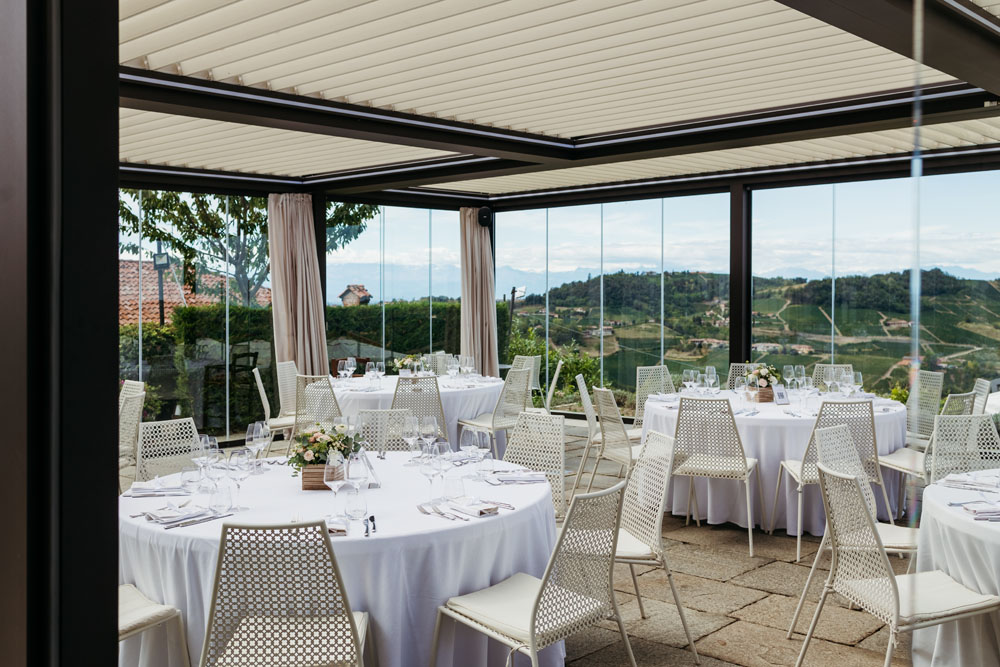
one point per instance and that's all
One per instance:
(481, 96)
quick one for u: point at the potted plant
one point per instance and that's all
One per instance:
(764, 377)
(406, 363)
(314, 446)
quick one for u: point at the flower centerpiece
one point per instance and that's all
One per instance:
(764, 377)
(314, 446)
(405, 363)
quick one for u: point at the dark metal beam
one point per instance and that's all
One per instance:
(963, 45)
(740, 272)
(183, 179)
(319, 225)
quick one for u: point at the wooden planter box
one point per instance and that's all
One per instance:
(312, 477)
(765, 395)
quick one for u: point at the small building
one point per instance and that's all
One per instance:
(355, 295)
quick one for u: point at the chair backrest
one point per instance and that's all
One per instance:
(287, 372)
(650, 380)
(383, 429)
(512, 398)
(263, 394)
(534, 363)
(959, 404)
(588, 407)
(538, 442)
(316, 403)
(836, 450)
(164, 447)
(133, 387)
(737, 371)
(963, 443)
(859, 419)
(439, 361)
(646, 492)
(555, 383)
(613, 432)
(982, 391)
(266, 610)
(422, 397)
(826, 373)
(706, 429)
(129, 417)
(576, 587)
(923, 402)
(860, 569)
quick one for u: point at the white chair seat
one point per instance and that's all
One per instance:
(916, 441)
(925, 596)
(632, 433)
(619, 456)
(483, 421)
(897, 538)
(537, 411)
(137, 612)
(905, 460)
(506, 607)
(632, 547)
(281, 423)
(794, 468)
(277, 626)
(706, 465)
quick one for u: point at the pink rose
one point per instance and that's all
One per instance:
(762, 383)
(308, 456)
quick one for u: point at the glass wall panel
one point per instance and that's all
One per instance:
(446, 281)
(696, 283)
(406, 281)
(792, 270)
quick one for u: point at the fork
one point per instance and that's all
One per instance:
(449, 515)
(423, 510)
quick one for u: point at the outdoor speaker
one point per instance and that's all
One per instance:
(485, 216)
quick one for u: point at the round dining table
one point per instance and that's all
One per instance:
(951, 540)
(462, 397)
(399, 574)
(773, 434)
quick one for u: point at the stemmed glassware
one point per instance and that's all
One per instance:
(240, 463)
(428, 430)
(469, 443)
(702, 383)
(453, 366)
(859, 385)
(740, 389)
(411, 436)
(688, 378)
(711, 380)
(257, 439)
(209, 456)
(800, 374)
(342, 369)
(379, 371)
(752, 390)
(429, 469)
(788, 373)
(333, 476)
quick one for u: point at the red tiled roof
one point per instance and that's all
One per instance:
(357, 289)
(128, 292)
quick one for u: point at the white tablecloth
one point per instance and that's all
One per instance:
(460, 399)
(969, 551)
(772, 436)
(400, 575)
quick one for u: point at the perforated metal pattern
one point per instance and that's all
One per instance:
(963, 443)
(129, 416)
(736, 371)
(537, 443)
(440, 363)
(512, 399)
(287, 372)
(959, 404)
(576, 590)
(860, 419)
(422, 397)
(316, 403)
(860, 568)
(650, 380)
(923, 402)
(133, 387)
(534, 364)
(982, 391)
(164, 447)
(279, 600)
(706, 440)
(826, 373)
(263, 394)
(614, 437)
(646, 492)
(588, 407)
(383, 429)
(837, 452)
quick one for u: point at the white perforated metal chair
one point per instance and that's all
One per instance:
(737, 370)
(650, 380)
(283, 425)
(803, 472)
(982, 391)
(538, 443)
(837, 450)
(526, 613)
(266, 611)
(422, 397)
(616, 444)
(137, 613)
(316, 405)
(164, 447)
(439, 361)
(922, 406)
(824, 374)
(287, 372)
(509, 405)
(594, 436)
(129, 418)
(130, 388)
(860, 572)
(383, 429)
(707, 444)
(959, 404)
(640, 539)
(553, 384)
(961, 444)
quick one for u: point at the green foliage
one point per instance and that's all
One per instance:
(524, 340)
(900, 393)
(158, 345)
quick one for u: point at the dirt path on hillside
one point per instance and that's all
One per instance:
(830, 320)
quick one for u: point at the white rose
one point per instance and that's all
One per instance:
(341, 428)
(308, 456)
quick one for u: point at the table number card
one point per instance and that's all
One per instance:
(780, 395)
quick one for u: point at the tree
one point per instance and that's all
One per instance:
(193, 227)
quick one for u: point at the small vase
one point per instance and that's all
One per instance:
(312, 477)
(765, 395)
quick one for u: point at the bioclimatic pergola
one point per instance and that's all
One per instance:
(510, 105)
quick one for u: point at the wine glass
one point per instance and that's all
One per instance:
(380, 368)
(752, 389)
(240, 463)
(713, 383)
(333, 475)
(686, 379)
(858, 381)
(429, 470)
(800, 373)
(453, 366)
(428, 429)
(198, 455)
(351, 365)
(740, 389)
(341, 369)
(370, 369)
(787, 372)
(702, 383)
(357, 470)
(411, 436)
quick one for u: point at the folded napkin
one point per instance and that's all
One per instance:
(473, 507)
(982, 508)
(664, 398)
(459, 456)
(155, 488)
(175, 515)
(981, 482)
(337, 527)
(520, 476)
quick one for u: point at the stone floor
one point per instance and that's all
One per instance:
(738, 608)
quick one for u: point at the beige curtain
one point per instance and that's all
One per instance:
(479, 311)
(296, 292)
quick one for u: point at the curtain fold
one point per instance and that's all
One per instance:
(296, 291)
(479, 312)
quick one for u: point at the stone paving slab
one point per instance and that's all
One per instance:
(836, 624)
(647, 654)
(729, 537)
(663, 624)
(711, 563)
(698, 593)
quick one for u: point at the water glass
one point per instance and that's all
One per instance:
(190, 478)
(355, 503)
(221, 500)
(241, 461)
(740, 388)
(454, 487)
(485, 465)
(469, 442)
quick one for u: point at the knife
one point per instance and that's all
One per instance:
(192, 522)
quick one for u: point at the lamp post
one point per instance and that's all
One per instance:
(161, 262)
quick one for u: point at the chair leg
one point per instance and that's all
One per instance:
(687, 512)
(888, 507)
(493, 443)
(583, 462)
(812, 626)
(182, 641)
(593, 475)
(628, 647)
(774, 508)
(760, 497)
(621, 471)
(805, 589)
(890, 647)
(638, 596)
(680, 612)
(798, 525)
(901, 507)
(694, 495)
(434, 641)
(746, 487)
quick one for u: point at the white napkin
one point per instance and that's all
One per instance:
(154, 488)
(459, 456)
(473, 507)
(982, 508)
(983, 482)
(666, 398)
(175, 514)
(520, 476)
(337, 527)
